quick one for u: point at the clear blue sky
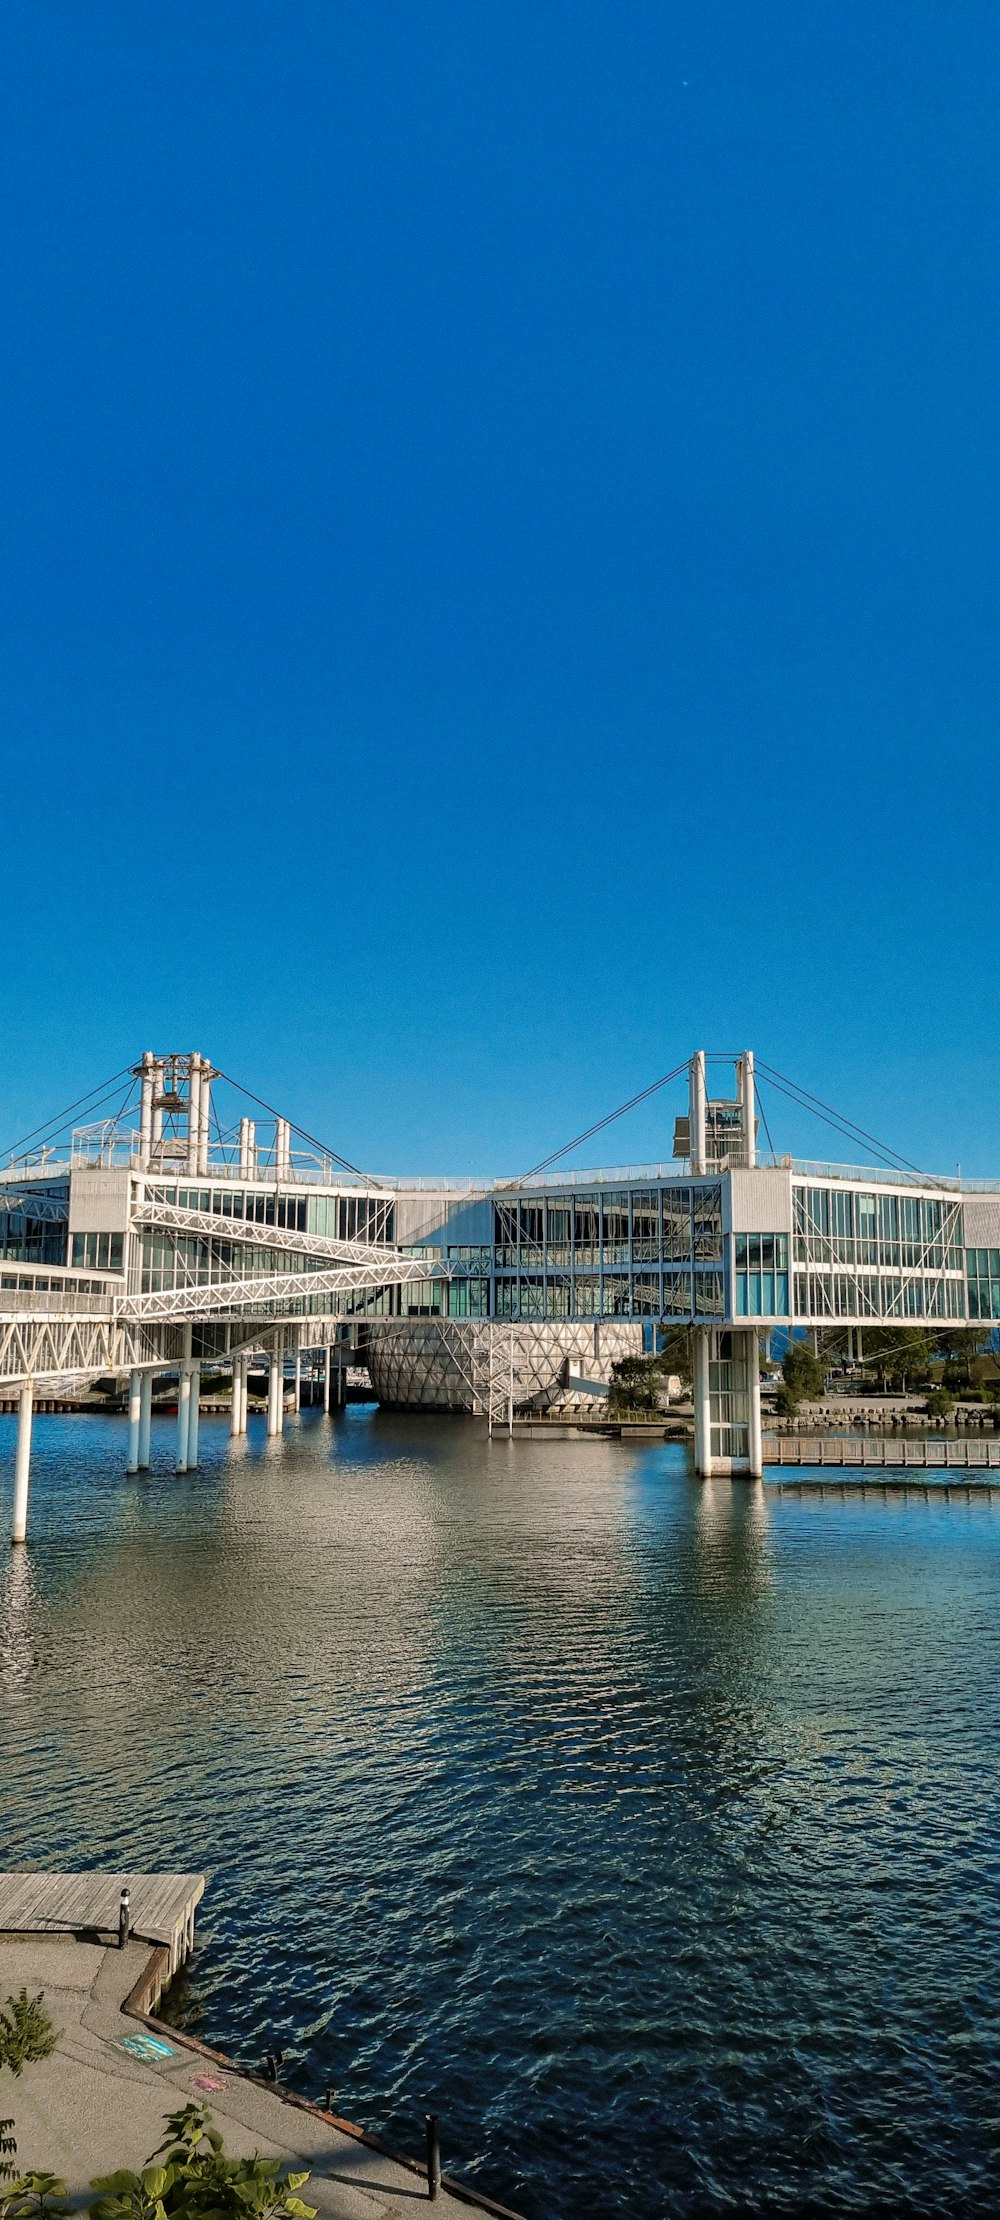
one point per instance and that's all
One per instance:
(500, 560)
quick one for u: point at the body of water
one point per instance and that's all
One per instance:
(645, 1830)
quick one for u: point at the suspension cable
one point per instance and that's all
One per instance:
(598, 1128)
(369, 1178)
(55, 1124)
(847, 1125)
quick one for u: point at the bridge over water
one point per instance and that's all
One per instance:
(156, 1239)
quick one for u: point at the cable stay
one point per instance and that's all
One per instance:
(369, 1178)
(841, 1124)
(54, 1125)
(632, 1104)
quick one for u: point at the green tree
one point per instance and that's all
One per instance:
(899, 1355)
(802, 1373)
(674, 1353)
(636, 1383)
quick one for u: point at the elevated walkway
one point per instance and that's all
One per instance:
(884, 1453)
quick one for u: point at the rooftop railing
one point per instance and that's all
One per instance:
(123, 1155)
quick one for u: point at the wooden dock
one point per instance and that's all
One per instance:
(162, 1906)
(882, 1452)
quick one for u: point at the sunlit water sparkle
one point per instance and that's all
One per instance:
(646, 1831)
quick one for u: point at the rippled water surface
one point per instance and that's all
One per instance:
(646, 1831)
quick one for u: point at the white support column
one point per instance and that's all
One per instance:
(194, 1116)
(236, 1410)
(754, 1439)
(326, 1380)
(146, 1109)
(183, 1416)
(276, 1387)
(157, 1108)
(748, 1097)
(697, 1111)
(204, 1116)
(145, 1420)
(22, 1466)
(298, 1379)
(248, 1149)
(193, 1415)
(134, 1419)
(701, 1340)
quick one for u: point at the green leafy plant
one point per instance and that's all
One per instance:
(803, 1374)
(189, 2177)
(8, 2147)
(35, 2197)
(26, 2031)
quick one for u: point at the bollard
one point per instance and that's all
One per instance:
(433, 2154)
(124, 1920)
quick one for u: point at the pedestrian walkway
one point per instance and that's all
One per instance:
(99, 2102)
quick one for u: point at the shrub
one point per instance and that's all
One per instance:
(190, 2178)
(26, 2031)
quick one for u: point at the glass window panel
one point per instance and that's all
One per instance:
(677, 1224)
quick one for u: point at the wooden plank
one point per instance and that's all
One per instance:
(161, 1903)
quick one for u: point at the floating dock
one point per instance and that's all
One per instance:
(881, 1452)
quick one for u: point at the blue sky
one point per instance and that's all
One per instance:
(499, 573)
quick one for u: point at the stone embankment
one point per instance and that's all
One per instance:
(886, 1414)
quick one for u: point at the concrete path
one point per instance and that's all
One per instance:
(100, 2101)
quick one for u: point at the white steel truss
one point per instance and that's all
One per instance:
(249, 1233)
(274, 1294)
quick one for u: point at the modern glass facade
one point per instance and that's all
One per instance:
(628, 1252)
(872, 1255)
(36, 1235)
(761, 1275)
(983, 1269)
(652, 1248)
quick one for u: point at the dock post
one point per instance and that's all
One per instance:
(433, 2154)
(236, 1407)
(298, 1379)
(145, 1419)
(326, 1379)
(124, 1918)
(193, 1407)
(22, 1468)
(134, 1419)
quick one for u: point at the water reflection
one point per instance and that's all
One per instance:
(18, 1600)
(642, 1826)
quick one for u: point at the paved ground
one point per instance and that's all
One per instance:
(95, 2104)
